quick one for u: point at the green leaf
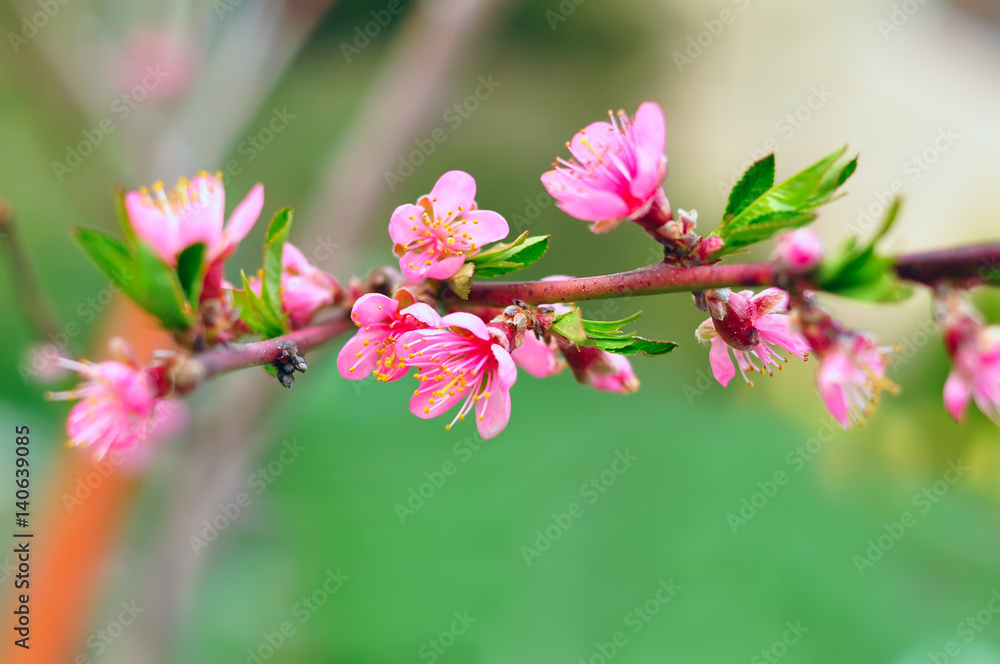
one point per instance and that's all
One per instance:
(633, 345)
(461, 281)
(257, 313)
(570, 325)
(856, 271)
(498, 248)
(274, 247)
(757, 179)
(144, 277)
(191, 268)
(109, 254)
(608, 335)
(597, 328)
(786, 205)
(506, 258)
(158, 290)
(766, 225)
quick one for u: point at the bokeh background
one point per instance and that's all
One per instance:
(323, 562)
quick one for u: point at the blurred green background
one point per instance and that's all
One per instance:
(736, 80)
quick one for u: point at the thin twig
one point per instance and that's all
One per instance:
(38, 311)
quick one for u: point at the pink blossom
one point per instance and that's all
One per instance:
(193, 212)
(435, 235)
(305, 289)
(616, 171)
(382, 321)
(462, 361)
(850, 376)
(119, 404)
(601, 370)
(751, 326)
(975, 357)
(538, 357)
(799, 251)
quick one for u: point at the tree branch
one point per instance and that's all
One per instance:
(195, 370)
(977, 263)
(969, 265)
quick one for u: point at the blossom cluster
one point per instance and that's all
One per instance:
(466, 356)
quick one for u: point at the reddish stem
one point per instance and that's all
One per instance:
(968, 265)
(974, 264)
(259, 353)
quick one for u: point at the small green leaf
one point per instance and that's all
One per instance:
(498, 248)
(191, 269)
(787, 205)
(856, 271)
(274, 247)
(109, 254)
(256, 313)
(570, 325)
(611, 327)
(506, 258)
(158, 290)
(461, 281)
(608, 335)
(757, 179)
(633, 345)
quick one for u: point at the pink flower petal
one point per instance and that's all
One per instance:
(365, 364)
(485, 226)
(650, 133)
(722, 365)
(833, 373)
(404, 219)
(776, 329)
(453, 190)
(506, 369)
(493, 414)
(536, 357)
(956, 396)
(373, 308)
(466, 321)
(423, 313)
(769, 300)
(587, 145)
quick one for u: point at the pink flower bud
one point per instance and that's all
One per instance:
(799, 251)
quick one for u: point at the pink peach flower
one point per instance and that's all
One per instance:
(461, 361)
(617, 170)
(444, 227)
(194, 211)
(975, 356)
(850, 376)
(373, 349)
(119, 405)
(751, 326)
(799, 251)
(975, 375)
